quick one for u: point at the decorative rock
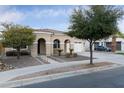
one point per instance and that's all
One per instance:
(5, 67)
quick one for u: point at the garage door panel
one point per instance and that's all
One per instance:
(78, 47)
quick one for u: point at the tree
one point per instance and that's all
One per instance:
(120, 34)
(94, 23)
(17, 36)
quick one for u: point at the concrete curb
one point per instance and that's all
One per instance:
(19, 83)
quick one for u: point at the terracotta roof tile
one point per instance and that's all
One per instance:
(49, 30)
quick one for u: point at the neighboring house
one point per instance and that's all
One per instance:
(48, 41)
(108, 42)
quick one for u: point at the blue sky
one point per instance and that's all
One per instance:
(42, 16)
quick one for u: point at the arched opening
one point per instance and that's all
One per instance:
(41, 46)
(56, 45)
(67, 46)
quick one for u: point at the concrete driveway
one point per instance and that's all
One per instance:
(106, 56)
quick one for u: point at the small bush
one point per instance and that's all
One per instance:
(75, 54)
(14, 53)
(11, 53)
(25, 52)
(68, 55)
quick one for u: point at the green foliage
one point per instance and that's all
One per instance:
(120, 34)
(17, 36)
(95, 23)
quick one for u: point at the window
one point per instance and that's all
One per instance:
(56, 43)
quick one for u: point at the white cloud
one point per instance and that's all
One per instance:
(8, 14)
(11, 16)
(4, 8)
(51, 12)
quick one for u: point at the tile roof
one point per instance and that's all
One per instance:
(49, 30)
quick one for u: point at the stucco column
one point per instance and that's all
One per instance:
(62, 46)
(72, 46)
(49, 48)
(68, 48)
(34, 49)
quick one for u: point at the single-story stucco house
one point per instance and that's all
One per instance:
(48, 41)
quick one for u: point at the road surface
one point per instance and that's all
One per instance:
(103, 79)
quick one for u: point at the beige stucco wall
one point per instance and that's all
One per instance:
(49, 38)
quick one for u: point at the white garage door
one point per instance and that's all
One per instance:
(78, 47)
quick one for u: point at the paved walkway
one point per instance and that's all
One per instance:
(47, 60)
(106, 56)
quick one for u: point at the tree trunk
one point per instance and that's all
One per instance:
(91, 53)
(18, 53)
(113, 44)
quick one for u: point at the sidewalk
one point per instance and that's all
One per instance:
(9, 75)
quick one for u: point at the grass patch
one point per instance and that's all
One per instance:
(120, 53)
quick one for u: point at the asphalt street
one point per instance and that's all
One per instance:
(113, 78)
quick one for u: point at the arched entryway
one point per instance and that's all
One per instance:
(56, 45)
(67, 46)
(41, 47)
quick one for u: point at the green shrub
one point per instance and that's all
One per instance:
(68, 55)
(14, 53)
(75, 54)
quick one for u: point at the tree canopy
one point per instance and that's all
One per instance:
(96, 22)
(17, 36)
